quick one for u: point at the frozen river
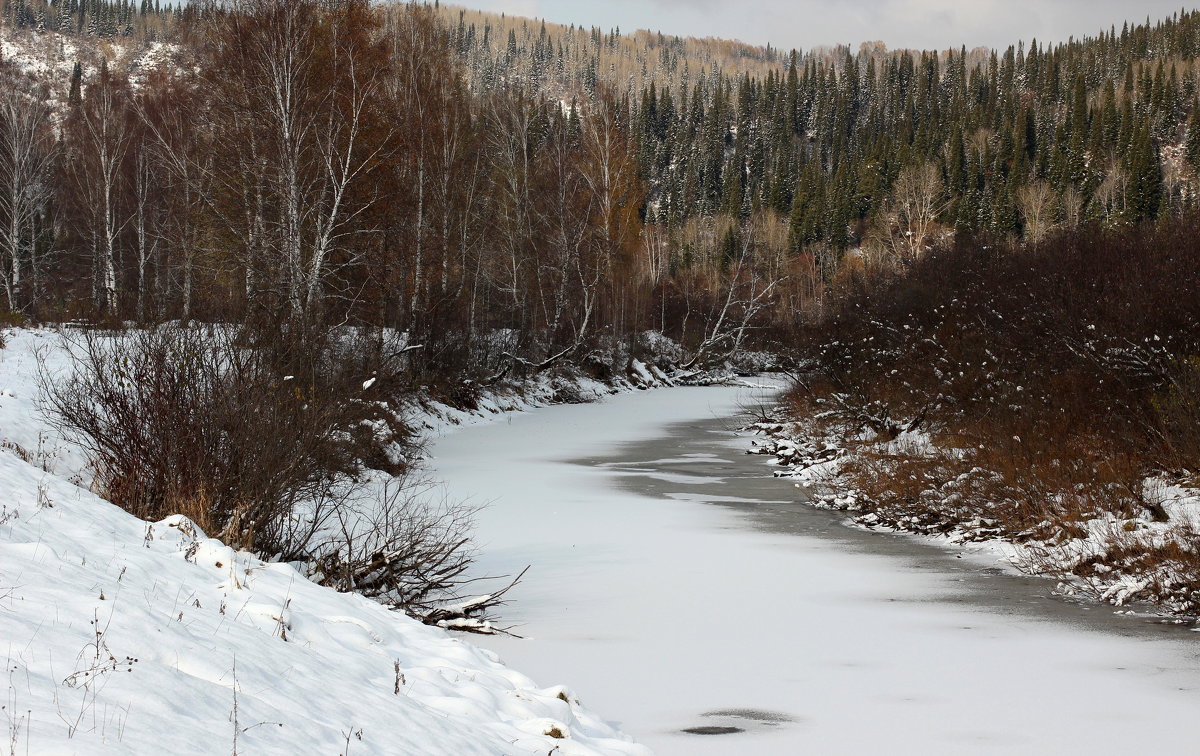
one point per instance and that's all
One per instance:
(676, 586)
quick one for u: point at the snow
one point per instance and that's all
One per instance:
(675, 585)
(49, 57)
(668, 612)
(119, 635)
(641, 373)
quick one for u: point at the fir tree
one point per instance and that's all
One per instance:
(1192, 143)
(75, 97)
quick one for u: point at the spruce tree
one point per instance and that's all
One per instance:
(1145, 177)
(1192, 143)
(75, 97)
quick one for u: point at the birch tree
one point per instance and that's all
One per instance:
(1036, 201)
(102, 140)
(918, 201)
(300, 82)
(27, 154)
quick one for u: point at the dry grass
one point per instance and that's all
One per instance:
(999, 491)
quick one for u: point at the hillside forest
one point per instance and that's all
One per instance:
(985, 245)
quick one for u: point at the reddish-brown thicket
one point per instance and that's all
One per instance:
(1052, 380)
(1086, 335)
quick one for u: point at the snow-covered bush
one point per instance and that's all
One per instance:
(658, 349)
(259, 439)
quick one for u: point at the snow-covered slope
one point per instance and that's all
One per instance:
(122, 636)
(49, 58)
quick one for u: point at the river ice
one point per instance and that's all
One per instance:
(668, 603)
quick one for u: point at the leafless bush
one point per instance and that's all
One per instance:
(267, 440)
(399, 544)
(1177, 409)
(235, 436)
(998, 490)
(1065, 340)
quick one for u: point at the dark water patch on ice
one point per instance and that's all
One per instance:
(713, 730)
(734, 721)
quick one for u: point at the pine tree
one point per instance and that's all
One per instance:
(75, 97)
(1192, 142)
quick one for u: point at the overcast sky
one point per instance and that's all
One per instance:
(924, 24)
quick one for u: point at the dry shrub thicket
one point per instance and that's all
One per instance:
(271, 441)
(1051, 380)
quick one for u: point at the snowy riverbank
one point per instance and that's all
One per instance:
(676, 587)
(1142, 558)
(120, 635)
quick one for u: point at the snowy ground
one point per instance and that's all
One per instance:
(119, 636)
(49, 58)
(671, 600)
(675, 585)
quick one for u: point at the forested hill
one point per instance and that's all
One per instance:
(565, 61)
(1021, 140)
(145, 20)
(557, 184)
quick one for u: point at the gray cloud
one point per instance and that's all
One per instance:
(809, 23)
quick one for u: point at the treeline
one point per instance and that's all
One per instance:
(571, 61)
(465, 180)
(148, 19)
(887, 152)
(325, 162)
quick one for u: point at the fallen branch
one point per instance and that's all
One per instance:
(467, 615)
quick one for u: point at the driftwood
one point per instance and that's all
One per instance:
(531, 365)
(470, 614)
(409, 554)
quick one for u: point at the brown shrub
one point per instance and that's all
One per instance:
(236, 433)
(1177, 411)
(1085, 336)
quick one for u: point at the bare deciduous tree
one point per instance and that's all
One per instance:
(103, 138)
(1036, 201)
(27, 153)
(917, 200)
(1110, 197)
(745, 292)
